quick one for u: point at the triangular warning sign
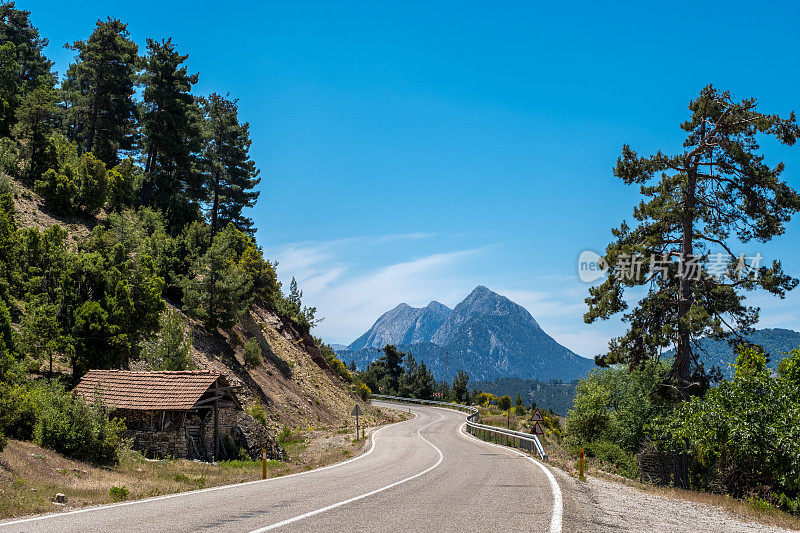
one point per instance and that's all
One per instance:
(537, 429)
(536, 416)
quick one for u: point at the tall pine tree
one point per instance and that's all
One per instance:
(172, 135)
(37, 119)
(230, 173)
(23, 52)
(99, 89)
(698, 203)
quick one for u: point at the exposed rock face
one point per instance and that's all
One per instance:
(487, 335)
(482, 303)
(248, 434)
(403, 325)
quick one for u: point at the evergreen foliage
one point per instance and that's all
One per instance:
(172, 349)
(171, 136)
(230, 173)
(719, 189)
(98, 92)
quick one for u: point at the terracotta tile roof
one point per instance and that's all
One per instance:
(124, 389)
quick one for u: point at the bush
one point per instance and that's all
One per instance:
(19, 408)
(172, 350)
(612, 454)
(118, 494)
(519, 410)
(75, 428)
(257, 411)
(284, 435)
(122, 185)
(364, 392)
(252, 354)
(504, 403)
(79, 187)
(9, 159)
(2, 441)
(743, 435)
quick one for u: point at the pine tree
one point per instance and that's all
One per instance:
(230, 173)
(217, 291)
(460, 382)
(37, 120)
(172, 135)
(295, 294)
(23, 50)
(718, 189)
(99, 89)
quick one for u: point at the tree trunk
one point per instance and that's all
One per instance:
(682, 365)
(215, 205)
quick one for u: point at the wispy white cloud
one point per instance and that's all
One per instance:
(351, 292)
(350, 295)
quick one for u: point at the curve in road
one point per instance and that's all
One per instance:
(421, 474)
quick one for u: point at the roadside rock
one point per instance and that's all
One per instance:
(248, 434)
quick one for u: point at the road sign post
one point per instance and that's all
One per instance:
(580, 466)
(263, 463)
(356, 412)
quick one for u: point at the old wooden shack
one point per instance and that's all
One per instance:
(191, 414)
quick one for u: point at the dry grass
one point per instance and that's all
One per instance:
(739, 508)
(31, 476)
(561, 458)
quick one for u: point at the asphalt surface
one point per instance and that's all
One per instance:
(423, 474)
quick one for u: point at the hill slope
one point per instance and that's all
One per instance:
(775, 341)
(294, 382)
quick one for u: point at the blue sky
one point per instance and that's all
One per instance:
(411, 151)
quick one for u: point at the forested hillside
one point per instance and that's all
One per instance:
(125, 240)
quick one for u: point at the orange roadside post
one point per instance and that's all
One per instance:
(580, 465)
(263, 463)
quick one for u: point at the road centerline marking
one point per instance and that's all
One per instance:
(361, 496)
(49, 516)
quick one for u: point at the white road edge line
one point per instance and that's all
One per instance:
(201, 491)
(361, 496)
(558, 501)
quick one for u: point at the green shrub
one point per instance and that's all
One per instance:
(80, 187)
(19, 408)
(75, 428)
(252, 354)
(234, 339)
(9, 158)
(743, 434)
(119, 494)
(3, 441)
(519, 410)
(122, 185)
(364, 392)
(257, 411)
(504, 403)
(612, 454)
(172, 349)
(284, 435)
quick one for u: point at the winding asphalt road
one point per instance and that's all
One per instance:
(424, 474)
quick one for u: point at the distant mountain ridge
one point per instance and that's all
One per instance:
(775, 342)
(487, 335)
(403, 325)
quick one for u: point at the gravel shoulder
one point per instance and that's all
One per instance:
(605, 505)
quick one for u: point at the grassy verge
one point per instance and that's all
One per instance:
(31, 476)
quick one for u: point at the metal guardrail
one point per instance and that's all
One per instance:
(498, 435)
